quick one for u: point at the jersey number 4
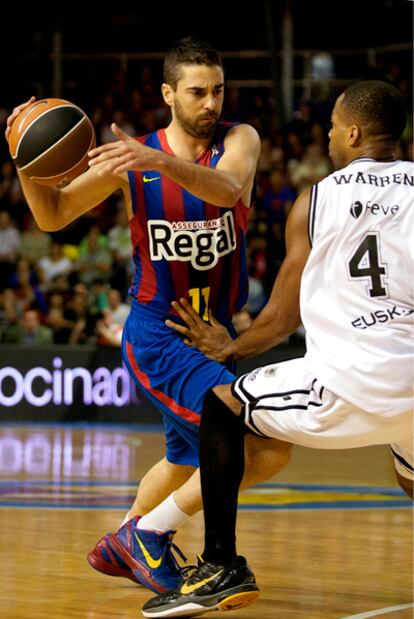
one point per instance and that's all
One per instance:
(365, 263)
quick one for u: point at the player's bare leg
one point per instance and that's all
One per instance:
(263, 459)
(158, 483)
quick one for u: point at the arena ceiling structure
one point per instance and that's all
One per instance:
(135, 26)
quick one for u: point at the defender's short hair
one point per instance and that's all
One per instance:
(189, 50)
(379, 106)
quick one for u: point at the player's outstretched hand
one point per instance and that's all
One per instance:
(211, 338)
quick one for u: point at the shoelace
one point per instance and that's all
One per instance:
(185, 571)
(181, 569)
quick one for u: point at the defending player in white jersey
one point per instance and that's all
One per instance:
(348, 275)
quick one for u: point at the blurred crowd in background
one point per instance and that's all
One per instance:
(71, 287)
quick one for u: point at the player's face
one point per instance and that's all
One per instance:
(338, 136)
(198, 99)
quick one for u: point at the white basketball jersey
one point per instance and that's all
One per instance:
(357, 286)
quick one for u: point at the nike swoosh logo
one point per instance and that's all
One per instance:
(190, 588)
(149, 179)
(154, 563)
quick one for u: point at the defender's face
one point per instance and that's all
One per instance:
(338, 136)
(198, 100)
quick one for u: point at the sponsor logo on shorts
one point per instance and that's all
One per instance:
(253, 375)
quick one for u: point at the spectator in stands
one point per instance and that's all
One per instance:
(137, 107)
(83, 312)
(11, 195)
(257, 297)
(103, 113)
(109, 333)
(312, 169)
(119, 117)
(63, 316)
(28, 330)
(99, 240)
(10, 310)
(319, 136)
(25, 283)
(269, 155)
(35, 244)
(294, 150)
(257, 262)
(9, 247)
(95, 261)
(109, 328)
(302, 122)
(116, 310)
(242, 320)
(278, 199)
(119, 244)
(80, 300)
(59, 284)
(14, 306)
(61, 327)
(53, 265)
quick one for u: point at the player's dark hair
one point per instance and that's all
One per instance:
(189, 50)
(378, 105)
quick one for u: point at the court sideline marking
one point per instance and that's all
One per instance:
(379, 611)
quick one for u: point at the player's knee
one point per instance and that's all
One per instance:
(218, 414)
(218, 399)
(223, 392)
(279, 456)
(283, 452)
(180, 472)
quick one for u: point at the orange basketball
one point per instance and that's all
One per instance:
(50, 140)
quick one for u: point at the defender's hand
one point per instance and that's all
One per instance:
(210, 339)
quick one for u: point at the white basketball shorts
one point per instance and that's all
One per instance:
(286, 401)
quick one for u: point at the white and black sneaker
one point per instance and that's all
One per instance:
(210, 587)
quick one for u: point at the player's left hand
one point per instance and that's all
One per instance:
(211, 339)
(123, 155)
(15, 113)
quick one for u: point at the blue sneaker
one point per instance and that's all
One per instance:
(149, 555)
(104, 558)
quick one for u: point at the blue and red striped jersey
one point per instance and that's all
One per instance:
(183, 246)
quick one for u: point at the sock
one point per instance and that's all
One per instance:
(167, 516)
(221, 468)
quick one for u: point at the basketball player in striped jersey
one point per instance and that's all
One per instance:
(188, 189)
(348, 273)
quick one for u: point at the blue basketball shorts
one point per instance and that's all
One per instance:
(173, 376)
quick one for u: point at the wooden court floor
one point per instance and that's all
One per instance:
(330, 537)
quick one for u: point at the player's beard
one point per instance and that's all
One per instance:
(193, 126)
